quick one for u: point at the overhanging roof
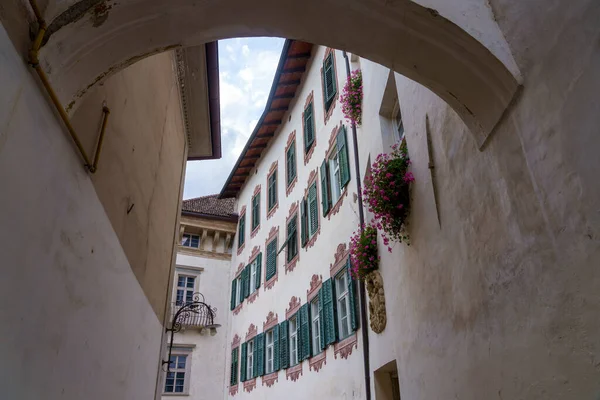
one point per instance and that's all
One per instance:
(198, 76)
(288, 76)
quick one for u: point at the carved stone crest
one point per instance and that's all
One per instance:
(377, 313)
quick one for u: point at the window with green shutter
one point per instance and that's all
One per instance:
(292, 238)
(255, 211)
(233, 294)
(321, 320)
(351, 297)
(305, 337)
(233, 378)
(245, 283)
(329, 313)
(329, 81)
(284, 354)
(272, 190)
(313, 210)
(271, 265)
(241, 230)
(260, 355)
(325, 188)
(304, 222)
(309, 127)
(244, 362)
(342, 152)
(290, 157)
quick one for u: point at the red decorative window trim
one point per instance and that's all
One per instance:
(315, 284)
(338, 204)
(270, 379)
(340, 257)
(238, 308)
(293, 308)
(236, 341)
(253, 297)
(327, 113)
(250, 385)
(255, 232)
(240, 249)
(256, 190)
(273, 235)
(308, 154)
(291, 141)
(294, 372)
(272, 320)
(240, 269)
(233, 390)
(289, 266)
(252, 332)
(312, 178)
(272, 170)
(344, 348)
(316, 362)
(254, 254)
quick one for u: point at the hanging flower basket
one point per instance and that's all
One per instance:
(386, 192)
(363, 252)
(351, 98)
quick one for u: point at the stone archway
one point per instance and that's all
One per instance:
(88, 40)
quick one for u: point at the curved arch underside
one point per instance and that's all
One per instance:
(92, 39)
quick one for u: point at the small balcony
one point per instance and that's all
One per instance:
(193, 316)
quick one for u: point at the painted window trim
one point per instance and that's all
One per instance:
(272, 170)
(293, 212)
(327, 112)
(243, 244)
(308, 152)
(289, 185)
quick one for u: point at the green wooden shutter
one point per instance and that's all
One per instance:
(291, 163)
(304, 222)
(233, 287)
(246, 281)
(234, 366)
(325, 198)
(321, 319)
(309, 130)
(304, 327)
(329, 307)
(313, 209)
(292, 239)
(329, 81)
(244, 362)
(276, 351)
(272, 195)
(284, 347)
(258, 269)
(259, 366)
(271, 264)
(351, 297)
(342, 149)
(241, 230)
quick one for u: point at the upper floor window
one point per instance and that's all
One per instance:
(233, 377)
(271, 264)
(272, 190)
(292, 238)
(309, 126)
(315, 326)
(241, 230)
(254, 275)
(250, 360)
(309, 214)
(343, 305)
(335, 171)
(290, 162)
(175, 380)
(329, 81)
(398, 124)
(293, 327)
(255, 211)
(189, 240)
(186, 286)
(270, 351)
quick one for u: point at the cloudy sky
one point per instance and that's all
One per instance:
(247, 66)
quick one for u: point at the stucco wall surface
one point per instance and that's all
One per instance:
(75, 321)
(338, 378)
(140, 171)
(501, 301)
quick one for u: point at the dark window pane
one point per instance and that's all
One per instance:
(190, 282)
(195, 241)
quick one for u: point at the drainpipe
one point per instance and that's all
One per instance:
(361, 283)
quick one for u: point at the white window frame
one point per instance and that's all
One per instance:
(238, 289)
(190, 235)
(315, 326)
(250, 359)
(179, 352)
(293, 341)
(185, 288)
(343, 299)
(253, 277)
(335, 177)
(397, 122)
(312, 230)
(270, 352)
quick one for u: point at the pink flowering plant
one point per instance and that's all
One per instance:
(351, 98)
(363, 252)
(387, 195)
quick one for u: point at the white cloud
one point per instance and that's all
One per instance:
(245, 82)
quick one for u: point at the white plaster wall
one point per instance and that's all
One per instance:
(208, 370)
(339, 378)
(75, 322)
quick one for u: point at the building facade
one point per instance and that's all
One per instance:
(206, 234)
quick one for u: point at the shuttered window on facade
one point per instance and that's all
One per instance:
(259, 359)
(284, 353)
(313, 210)
(255, 211)
(272, 191)
(233, 378)
(304, 327)
(309, 127)
(335, 172)
(292, 238)
(241, 230)
(271, 264)
(244, 362)
(290, 158)
(329, 81)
